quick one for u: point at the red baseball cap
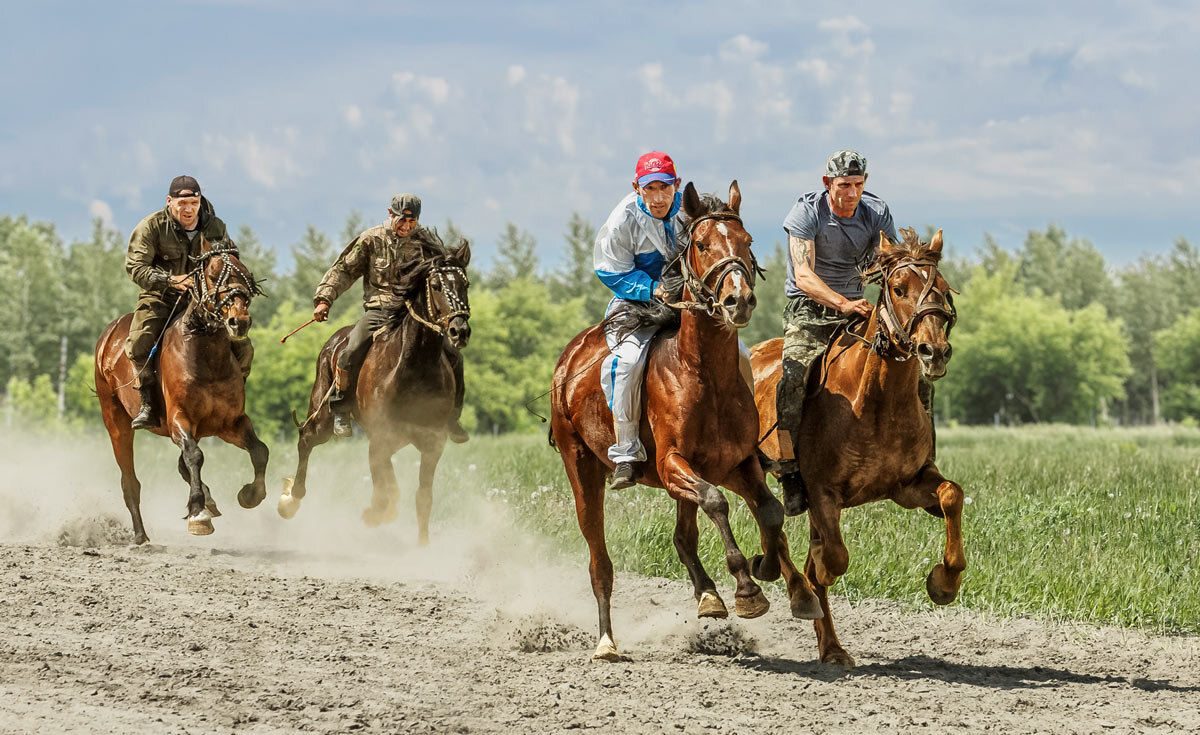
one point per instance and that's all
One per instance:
(655, 166)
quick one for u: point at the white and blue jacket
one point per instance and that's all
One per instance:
(632, 247)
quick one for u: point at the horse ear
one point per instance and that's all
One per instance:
(735, 197)
(691, 201)
(885, 245)
(935, 243)
(463, 253)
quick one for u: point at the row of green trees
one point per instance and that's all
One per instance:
(1047, 332)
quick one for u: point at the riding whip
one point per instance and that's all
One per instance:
(297, 329)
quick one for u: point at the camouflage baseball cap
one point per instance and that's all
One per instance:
(401, 202)
(846, 163)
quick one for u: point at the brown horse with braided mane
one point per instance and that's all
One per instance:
(698, 425)
(406, 388)
(203, 392)
(864, 435)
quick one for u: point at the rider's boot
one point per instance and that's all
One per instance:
(623, 476)
(147, 416)
(340, 403)
(789, 405)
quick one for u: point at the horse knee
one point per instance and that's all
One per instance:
(835, 558)
(712, 500)
(770, 514)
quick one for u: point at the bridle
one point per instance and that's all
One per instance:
(892, 335)
(209, 299)
(457, 307)
(706, 297)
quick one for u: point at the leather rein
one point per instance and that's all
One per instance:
(895, 336)
(706, 298)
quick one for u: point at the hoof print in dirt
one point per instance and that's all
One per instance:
(542, 635)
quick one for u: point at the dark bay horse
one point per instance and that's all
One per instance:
(405, 390)
(699, 424)
(864, 435)
(203, 392)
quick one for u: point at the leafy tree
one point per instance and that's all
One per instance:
(31, 266)
(1177, 351)
(515, 258)
(96, 289)
(577, 276)
(1073, 270)
(262, 262)
(767, 320)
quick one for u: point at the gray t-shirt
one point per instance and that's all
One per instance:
(842, 243)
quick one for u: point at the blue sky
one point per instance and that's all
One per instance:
(974, 119)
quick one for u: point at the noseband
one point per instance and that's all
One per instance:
(457, 307)
(894, 334)
(208, 298)
(698, 285)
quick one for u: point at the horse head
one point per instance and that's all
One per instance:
(718, 266)
(223, 287)
(438, 287)
(915, 308)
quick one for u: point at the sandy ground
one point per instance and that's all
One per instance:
(321, 625)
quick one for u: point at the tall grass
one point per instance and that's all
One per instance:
(1062, 522)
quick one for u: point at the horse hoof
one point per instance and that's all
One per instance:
(211, 507)
(840, 658)
(764, 571)
(373, 517)
(937, 593)
(606, 650)
(250, 496)
(200, 524)
(751, 607)
(806, 606)
(287, 507)
(711, 606)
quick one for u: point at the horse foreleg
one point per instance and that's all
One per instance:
(242, 435)
(209, 503)
(748, 482)
(385, 492)
(686, 538)
(683, 483)
(198, 517)
(430, 454)
(827, 560)
(316, 432)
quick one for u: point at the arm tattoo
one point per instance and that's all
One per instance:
(801, 250)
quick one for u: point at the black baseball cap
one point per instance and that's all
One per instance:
(181, 184)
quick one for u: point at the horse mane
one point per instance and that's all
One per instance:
(908, 246)
(635, 315)
(411, 276)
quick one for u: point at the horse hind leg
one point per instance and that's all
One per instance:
(385, 492)
(586, 473)
(120, 432)
(317, 431)
(424, 499)
(708, 601)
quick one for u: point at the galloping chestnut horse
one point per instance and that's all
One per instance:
(203, 392)
(405, 389)
(698, 423)
(864, 435)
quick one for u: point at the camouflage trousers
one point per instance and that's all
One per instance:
(149, 320)
(807, 328)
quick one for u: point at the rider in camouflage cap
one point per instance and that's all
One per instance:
(846, 163)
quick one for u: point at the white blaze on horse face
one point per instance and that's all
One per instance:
(721, 228)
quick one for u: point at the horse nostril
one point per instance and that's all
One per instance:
(925, 351)
(946, 352)
(729, 302)
(752, 301)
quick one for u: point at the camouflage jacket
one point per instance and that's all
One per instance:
(159, 247)
(375, 255)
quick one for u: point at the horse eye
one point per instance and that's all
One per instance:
(897, 291)
(437, 287)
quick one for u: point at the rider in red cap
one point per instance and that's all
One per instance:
(645, 231)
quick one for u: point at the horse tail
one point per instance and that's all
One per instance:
(296, 420)
(550, 439)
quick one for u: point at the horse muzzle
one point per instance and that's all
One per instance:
(736, 310)
(237, 328)
(459, 332)
(933, 359)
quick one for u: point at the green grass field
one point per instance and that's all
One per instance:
(1063, 522)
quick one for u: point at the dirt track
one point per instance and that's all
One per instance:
(200, 636)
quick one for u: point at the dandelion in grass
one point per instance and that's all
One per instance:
(967, 500)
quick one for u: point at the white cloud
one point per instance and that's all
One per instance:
(845, 24)
(516, 73)
(742, 48)
(652, 78)
(818, 69)
(266, 163)
(352, 115)
(715, 95)
(492, 204)
(100, 208)
(437, 88)
(551, 110)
